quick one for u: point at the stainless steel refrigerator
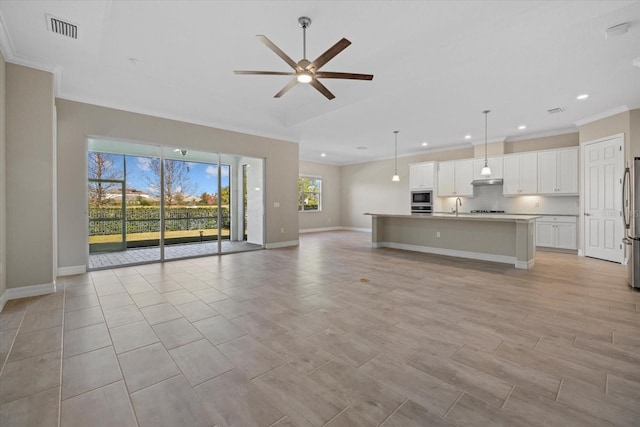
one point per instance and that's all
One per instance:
(631, 214)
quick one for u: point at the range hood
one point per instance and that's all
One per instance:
(488, 181)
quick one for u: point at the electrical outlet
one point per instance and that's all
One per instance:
(536, 205)
(438, 234)
(276, 204)
(282, 230)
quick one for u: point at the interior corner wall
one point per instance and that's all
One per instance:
(329, 216)
(3, 180)
(367, 187)
(77, 120)
(29, 172)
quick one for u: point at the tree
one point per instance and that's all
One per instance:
(177, 183)
(104, 166)
(224, 196)
(207, 199)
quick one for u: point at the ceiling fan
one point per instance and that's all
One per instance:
(306, 71)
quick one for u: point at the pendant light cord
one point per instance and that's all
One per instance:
(486, 113)
(396, 163)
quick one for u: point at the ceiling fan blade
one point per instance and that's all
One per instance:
(278, 51)
(284, 90)
(265, 73)
(352, 76)
(322, 89)
(329, 54)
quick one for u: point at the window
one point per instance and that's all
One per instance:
(309, 194)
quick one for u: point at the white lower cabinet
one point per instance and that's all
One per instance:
(556, 232)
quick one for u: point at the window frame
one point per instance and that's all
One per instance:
(301, 205)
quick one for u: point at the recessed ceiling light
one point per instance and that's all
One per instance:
(424, 144)
(583, 96)
(616, 30)
(467, 137)
(323, 155)
(361, 148)
(522, 127)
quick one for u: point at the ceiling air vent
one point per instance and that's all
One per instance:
(555, 110)
(64, 28)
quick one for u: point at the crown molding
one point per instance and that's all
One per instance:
(603, 115)
(489, 141)
(9, 52)
(543, 134)
(153, 113)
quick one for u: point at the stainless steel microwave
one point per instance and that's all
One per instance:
(421, 198)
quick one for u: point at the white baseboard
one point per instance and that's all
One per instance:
(26, 291)
(526, 265)
(364, 230)
(318, 230)
(3, 300)
(456, 253)
(73, 270)
(282, 244)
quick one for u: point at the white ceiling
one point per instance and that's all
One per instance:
(437, 65)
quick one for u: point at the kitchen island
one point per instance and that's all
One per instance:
(501, 238)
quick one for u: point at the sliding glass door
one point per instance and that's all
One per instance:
(149, 203)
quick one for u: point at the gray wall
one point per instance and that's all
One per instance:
(330, 215)
(3, 210)
(29, 176)
(367, 187)
(77, 120)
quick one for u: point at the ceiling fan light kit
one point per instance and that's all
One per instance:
(306, 71)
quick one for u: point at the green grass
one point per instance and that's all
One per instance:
(134, 237)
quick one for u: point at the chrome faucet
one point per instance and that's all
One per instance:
(458, 200)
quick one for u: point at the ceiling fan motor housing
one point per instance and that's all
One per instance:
(304, 22)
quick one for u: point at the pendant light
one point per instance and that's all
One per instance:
(486, 170)
(396, 177)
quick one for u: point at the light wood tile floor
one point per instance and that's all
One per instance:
(330, 333)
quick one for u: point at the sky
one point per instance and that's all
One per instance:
(203, 177)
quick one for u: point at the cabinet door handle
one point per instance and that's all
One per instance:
(587, 214)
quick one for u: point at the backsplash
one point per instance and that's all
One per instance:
(490, 197)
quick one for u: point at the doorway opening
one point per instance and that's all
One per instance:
(151, 203)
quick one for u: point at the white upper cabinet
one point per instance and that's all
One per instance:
(520, 174)
(422, 176)
(446, 179)
(495, 163)
(558, 172)
(454, 178)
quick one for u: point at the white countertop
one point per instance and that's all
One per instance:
(462, 216)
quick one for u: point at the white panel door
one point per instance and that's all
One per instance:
(603, 169)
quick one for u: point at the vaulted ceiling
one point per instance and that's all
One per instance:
(437, 66)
